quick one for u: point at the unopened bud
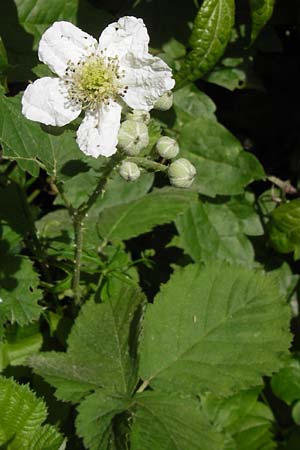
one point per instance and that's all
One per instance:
(133, 137)
(167, 147)
(139, 115)
(181, 173)
(164, 102)
(129, 171)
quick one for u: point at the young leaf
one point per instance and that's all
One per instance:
(261, 12)
(22, 415)
(19, 291)
(95, 414)
(223, 328)
(164, 421)
(130, 220)
(226, 238)
(210, 35)
(223, 167)
(100, 352)
(247, 421)
(284, 228)
(286, 383)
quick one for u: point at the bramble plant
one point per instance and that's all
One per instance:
(148, 270)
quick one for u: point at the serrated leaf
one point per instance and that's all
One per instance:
(100, 353)
(137, 217)
(223, 167)
(210, 36)
(247, 421)
(286, 383)
(172, 421)
(32, 145)
(19, 291)
(223, 328)
(209, 231)
(284, 228)
(261, 12)
(190, 103)
(95, 414)
(22, 415)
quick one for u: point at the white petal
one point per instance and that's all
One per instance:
(147, 78)
(98, 132)
(46, 101)
(128, 34)
(64, 42)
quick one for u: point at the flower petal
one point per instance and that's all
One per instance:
(64, 42)
(46, 101)
(98, 132)
(147, 78)
(128, 34)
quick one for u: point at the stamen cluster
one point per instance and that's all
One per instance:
(94, 80)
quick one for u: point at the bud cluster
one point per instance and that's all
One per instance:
(133, 138)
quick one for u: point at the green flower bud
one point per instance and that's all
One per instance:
(164, 102)
(129, 171)
(133, 136)
(167, 147)
(181, 173)
(139, 115)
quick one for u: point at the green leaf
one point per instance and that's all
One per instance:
(227, 240)
(137, 217)
(12, 212)
(172, 421)
(261, 12)
(284, 228)
(244, 209)
(246, 421)
(4, 66)
(19, 291)
(210, 36)
(35, 15)
(18, 347)
(32, 145)
(223, 167)
(100, 352)
(95, 414)
(229, 77)
(223, 328)
(286, 383)
(190, 103)
(22, 415)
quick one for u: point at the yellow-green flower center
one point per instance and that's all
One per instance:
(93, 81)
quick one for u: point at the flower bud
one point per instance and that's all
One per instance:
(139, 115)
(164, 102)
(181, 173)
(167, 147)
(133, 136)
(129, 171)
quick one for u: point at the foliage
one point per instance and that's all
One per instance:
(142, 315)
(22, 415)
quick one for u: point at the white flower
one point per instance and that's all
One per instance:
(96, 77)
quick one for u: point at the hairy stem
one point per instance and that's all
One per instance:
(78, 231)
(79, 215)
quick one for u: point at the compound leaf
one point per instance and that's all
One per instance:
(223, 328)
